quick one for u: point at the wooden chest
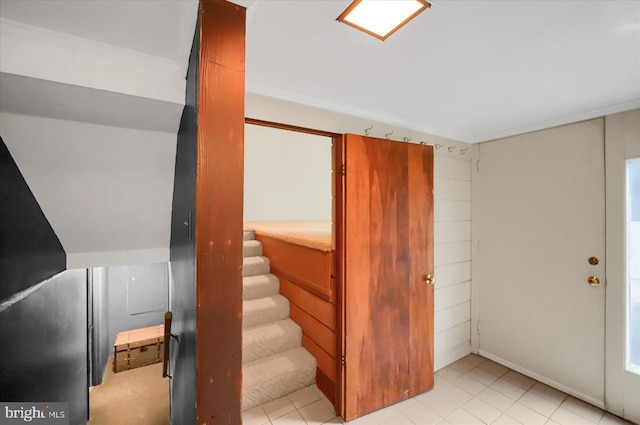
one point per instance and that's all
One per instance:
(139, 347)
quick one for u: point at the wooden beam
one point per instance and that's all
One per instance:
(219, 197)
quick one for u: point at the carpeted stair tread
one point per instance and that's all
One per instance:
(273, 338)
(261, 311)
(253, 266)
(248, 235)
(273, 377)
(251, 248)
(260, 286)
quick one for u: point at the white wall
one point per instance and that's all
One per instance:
(106, 191)
(287, 175)
(452, 210)
(452, 216)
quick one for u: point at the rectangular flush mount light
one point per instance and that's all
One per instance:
(381, 18)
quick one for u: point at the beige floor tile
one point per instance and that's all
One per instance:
(525, 415)
(316, 413)
(482, 410)
(419, 414)
(482, 376)
(494, 368)
(519, 379)
(255, 416)
(292, 418)
(540, 405)
(439, 403)
(449, 373)
(495, 399)
(507, 388)
(461, 416)
(470, 385)
(567, 417)
(304, 396)
(505, 420)
(278, 408)
(583, 409)
(455, 394)
(548, 393)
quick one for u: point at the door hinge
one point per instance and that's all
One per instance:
(343, 170)
(343, 361)
(478, 328)
(478, 166)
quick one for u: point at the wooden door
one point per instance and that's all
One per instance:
(387, 311)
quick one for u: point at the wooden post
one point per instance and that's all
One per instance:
(219, 198)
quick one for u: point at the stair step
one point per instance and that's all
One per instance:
(253, 266)
(248, 235)
(251, 248)
(260, 286)
(261, 311)
(273, 377)
(273, 338)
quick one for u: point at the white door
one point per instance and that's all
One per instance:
(623, 271)
(539, 217)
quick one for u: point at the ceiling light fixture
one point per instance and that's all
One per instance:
(381, 18)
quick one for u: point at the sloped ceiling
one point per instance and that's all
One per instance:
(467, 70)
(91, 94)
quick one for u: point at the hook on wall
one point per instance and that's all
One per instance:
(422, 142)
(368, 130)
(451, 148)
(406, 139)
(438, 145)
(464, 150)
(388, 135)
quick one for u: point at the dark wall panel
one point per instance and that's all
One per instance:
(182, 283)
(30, 251)
(43, 353)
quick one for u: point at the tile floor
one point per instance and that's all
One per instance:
(472, 390)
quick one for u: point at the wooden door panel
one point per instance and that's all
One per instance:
(420, 161)
(380, 294)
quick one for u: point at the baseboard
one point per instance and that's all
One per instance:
(550, 382)
(450, 356)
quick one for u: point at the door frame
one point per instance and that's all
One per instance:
(337, 163)
(621, 133)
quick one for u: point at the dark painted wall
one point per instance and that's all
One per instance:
(43, 353)
(182, 284)
(29, 248)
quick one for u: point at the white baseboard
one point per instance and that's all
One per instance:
(550, 382)
(450, 356)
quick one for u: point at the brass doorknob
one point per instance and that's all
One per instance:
(593, 280)
(429, 279)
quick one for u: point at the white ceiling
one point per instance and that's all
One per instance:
(468, 70)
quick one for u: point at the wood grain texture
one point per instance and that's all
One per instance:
(382, 324)
(219, 188)
(320, 309)
(306, 267)
(323, 336)
(420, 183)
(326, 363)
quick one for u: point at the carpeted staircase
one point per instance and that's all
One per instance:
(274, 363)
